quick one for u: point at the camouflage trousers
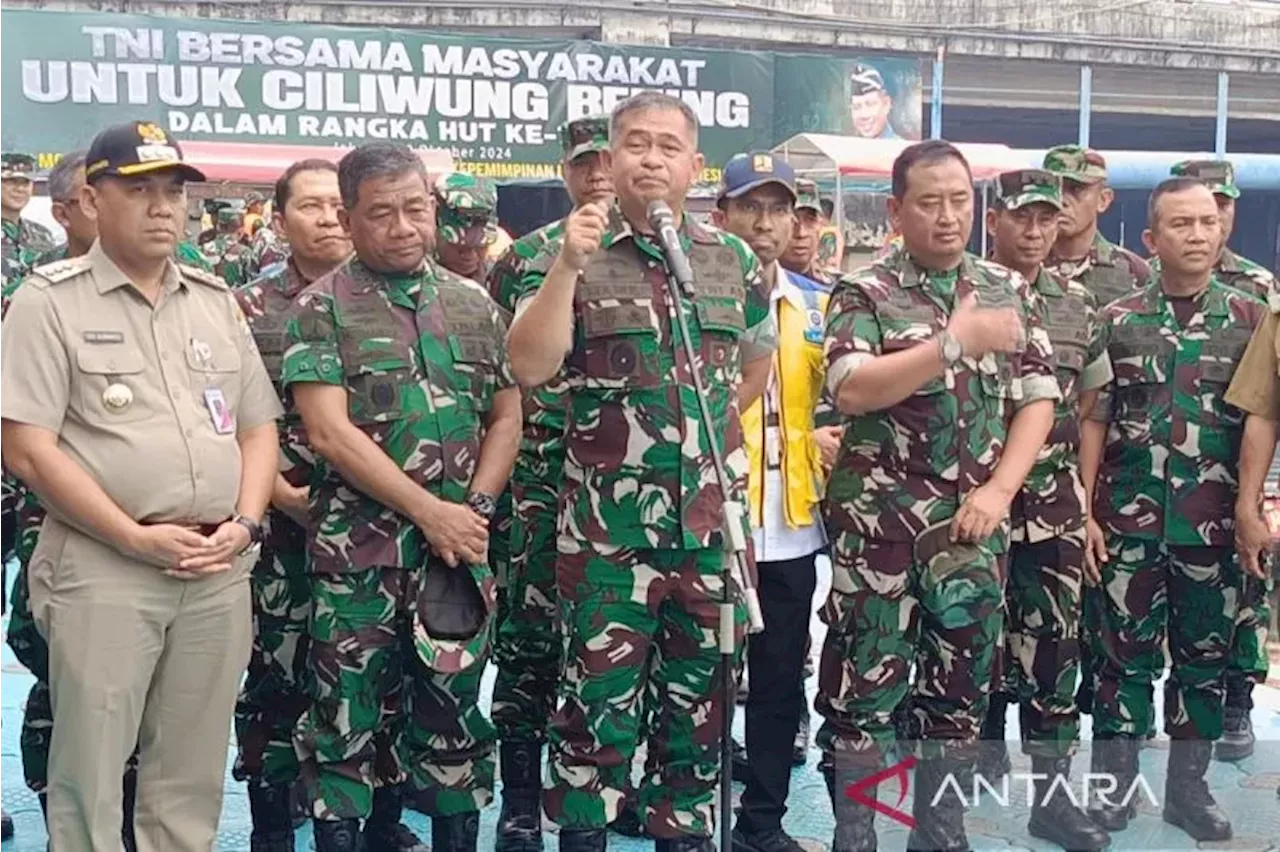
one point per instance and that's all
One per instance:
(1090, 645)
(274, 696)
(618, 605)
(1043, 604)
(1151, 589)
(528, 646)
(888, 609)
(1249, 662)
(379, 715)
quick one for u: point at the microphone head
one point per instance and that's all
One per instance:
(660, 214)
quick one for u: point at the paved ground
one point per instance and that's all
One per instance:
(1247, 791)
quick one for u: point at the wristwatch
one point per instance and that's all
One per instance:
(254, 528)
(482, 504)
(951, 349)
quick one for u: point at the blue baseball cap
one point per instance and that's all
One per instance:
(752, 170)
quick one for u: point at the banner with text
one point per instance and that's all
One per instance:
(494, 103)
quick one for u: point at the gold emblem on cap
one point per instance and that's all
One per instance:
(762, 163)
(117, 397)
(152, 134)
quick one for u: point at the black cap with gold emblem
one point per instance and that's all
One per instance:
(136, 148)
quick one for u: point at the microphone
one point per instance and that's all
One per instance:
(663, 222)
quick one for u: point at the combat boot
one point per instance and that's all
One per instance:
(993, 751)
(1117, 757)
(270, 807)
(1188, 803)
(855, 822)
(938, 810)
(383, 831)
(520, 822)
(455, 833)
(583, 840)
(1053, 815)
(128, 803)
(338, 836)
(1237, 728)
(684, 844)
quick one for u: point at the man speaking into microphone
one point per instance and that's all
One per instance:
(641, 529)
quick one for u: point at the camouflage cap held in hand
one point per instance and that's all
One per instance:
(1076, 163)
(1218, 175)
(584, 136)
(465, 207)
(17, 166)
(470, 588)
(807, 197)
(1022, 187)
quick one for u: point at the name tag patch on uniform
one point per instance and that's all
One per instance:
(224, 422)
(99, 337)
(813, 330)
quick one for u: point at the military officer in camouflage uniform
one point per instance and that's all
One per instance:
(400, 374)
(227, 251)
(24, 241)
(801, 254)
(527, 648)
(1108, 271)
(1249, 663)
(273, 696)
(1046, 556)
(1163, 508)
(946, 378)
(642, 517)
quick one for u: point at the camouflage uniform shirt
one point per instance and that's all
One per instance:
(24, 242)
(1051, 502)
(1172, 449)
(421, 357)
(1109, 271)
(637, 468)
(907, 468)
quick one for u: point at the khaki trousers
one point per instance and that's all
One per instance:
(137, 657)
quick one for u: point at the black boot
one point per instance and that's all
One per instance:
(271, 805)
(855, 822)
(1187, 801)
(6, 825)
(455, 833)
(299, 805)
(1237, 728)
(1118, 756)
(340, 836)
(684, 844)
(1054, 817)
(940, 826)
(383, 831)
(129, 799)
(583, 840)
(993, 751)
(520, 823)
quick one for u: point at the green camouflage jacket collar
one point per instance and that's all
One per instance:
(1231, 263)
(620, 229)
(911, 274)
(1047, 284)
(1213, 301)
(1103, 252)
(403, 290)
(12, 230)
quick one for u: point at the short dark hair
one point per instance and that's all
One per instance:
(284, 184)
(653, 100)
(62, 177)
(924, 153)
(379, 159)
(1169, 186)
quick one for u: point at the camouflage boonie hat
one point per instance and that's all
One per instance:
(465, 205)
(943, 557)
(1021, 187)
(1076, 163)
(807, 197)
(583, 136)
(19, 166)
(451, 654)
(1218, 175)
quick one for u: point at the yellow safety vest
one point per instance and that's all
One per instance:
(799, 368)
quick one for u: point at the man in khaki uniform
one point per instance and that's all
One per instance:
(137, 408)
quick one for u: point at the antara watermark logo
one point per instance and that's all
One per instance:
(973, 790)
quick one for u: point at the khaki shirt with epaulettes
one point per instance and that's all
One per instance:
(136, 392)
